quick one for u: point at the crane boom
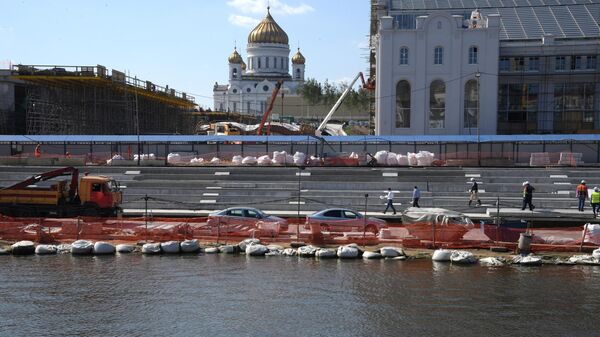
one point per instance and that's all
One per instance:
(73, 172)
(337, 104)
(269, 108)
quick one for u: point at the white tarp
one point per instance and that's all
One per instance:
(103, 248)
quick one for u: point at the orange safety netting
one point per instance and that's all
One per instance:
(47, 230)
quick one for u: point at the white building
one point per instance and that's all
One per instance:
(428, 76)
(251, 83)
(536, 67)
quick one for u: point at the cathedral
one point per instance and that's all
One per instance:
(251, 83)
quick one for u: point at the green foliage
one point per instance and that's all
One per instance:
(315, 93)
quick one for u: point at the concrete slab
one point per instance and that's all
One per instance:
(210, 194)
(304, 174)
(132, 172)
(561, 183)
(214, 187)
(208, 201)
(559, 176)
(472, 175)
(221, 173)
(390, 174)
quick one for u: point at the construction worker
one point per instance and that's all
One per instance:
(595, 201)
(38, 151)
(474, 193)
(582, 193)
(416, 195)
(527, 196)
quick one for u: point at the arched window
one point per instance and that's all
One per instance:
(473, 55)
(403, 55)
(438, 55)
(437, 104)
(267, 63)
(259, 63)
(297, 73)
(403, 104)
(234, 73)
(471, 97)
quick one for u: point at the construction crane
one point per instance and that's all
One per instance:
(265, 116)
(368, 85)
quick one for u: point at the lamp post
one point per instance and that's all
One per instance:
(477, 76)
(300, 170)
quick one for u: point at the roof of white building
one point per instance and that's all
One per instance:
(519, 19)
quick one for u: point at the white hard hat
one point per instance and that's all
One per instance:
(583, 181)
(525, 183)
(595, 188)
(472, 179)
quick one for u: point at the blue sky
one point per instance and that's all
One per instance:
(182, 43)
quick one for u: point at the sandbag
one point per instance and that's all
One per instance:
(584, 259)
(592, 234)
(82, 247)
(381, 157)
(402, 160)
(173, 158)
(151, 248)
(101, 248)
(170, 247)
(264, 161)
(125, 248)
(462, 257)
(392, 159)
(23, 248)
(237, 160)
(325, 253)
(249, 160)
(246, 242)
(491, 261)
(371, 255)
(529, 260)
(256, 250)
(347, 252)
(190, 246)
(299, 158)
(306, 251)
(596, 254)
(391, 252)
(442, 255)
(46, 249)
(289, 252)
(227, 249)
(412, 159)
(211, 250)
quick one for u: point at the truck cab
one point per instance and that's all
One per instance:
(99, 192)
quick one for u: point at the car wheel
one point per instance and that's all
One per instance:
(372, 229)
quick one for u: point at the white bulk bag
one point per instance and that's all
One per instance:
(151, 248)
(264, 160)
(392, 159)
(412, 159)
(249, 160)
(299, 158)
(462, 256)
(325, 253)
(189, 246)
(215, 161)
(347, 252)
(491, 261)
(124, 248)
(211, 250)
(256, 250)
(381, 157)
(247, 242)
(442, 255)
(237, 160)
(173, 158)
(371, 255)
(46, 249)
(23, 248)
(170, 247)
(101, 248)
(391, 252)
(402, 160)
(307, 251)
(82, 247)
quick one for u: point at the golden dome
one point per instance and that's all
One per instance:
(235, 57)
(268, 31)
(298, 58)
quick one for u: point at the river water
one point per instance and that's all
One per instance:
(225, 295)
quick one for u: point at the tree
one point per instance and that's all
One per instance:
(315, 93)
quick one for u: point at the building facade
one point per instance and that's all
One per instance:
(488, 67)
(251, 82)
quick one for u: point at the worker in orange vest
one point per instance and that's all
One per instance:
(582, 193)
(38, 151)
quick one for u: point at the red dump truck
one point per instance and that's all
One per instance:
(88, 195)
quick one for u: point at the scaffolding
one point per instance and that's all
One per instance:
(93, 100)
